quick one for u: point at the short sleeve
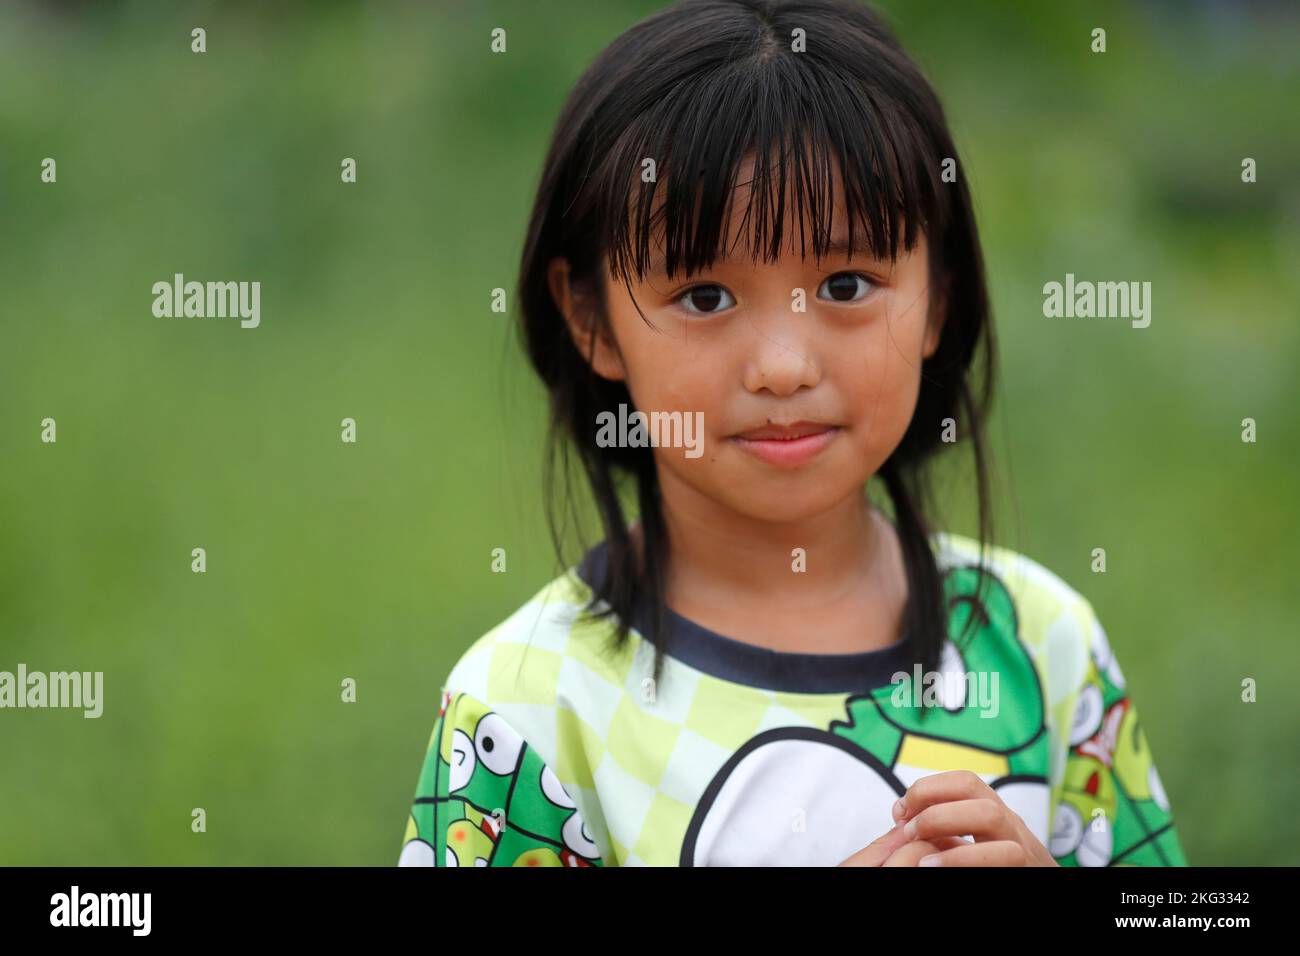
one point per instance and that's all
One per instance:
(1109, 806)
(486, 798)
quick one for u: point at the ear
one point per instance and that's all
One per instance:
(600, 351)
(938, 315)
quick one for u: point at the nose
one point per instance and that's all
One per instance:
(780, 363)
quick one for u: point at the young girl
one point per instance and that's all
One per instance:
(752, 282)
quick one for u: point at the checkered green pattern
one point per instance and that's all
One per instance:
(600, 722)
(602, 726)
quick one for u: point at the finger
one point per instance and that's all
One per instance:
(984, 819)
(995, 853)
(909, 854)
(940, 788)
(876, 852)
(880, 849)
(948, 842)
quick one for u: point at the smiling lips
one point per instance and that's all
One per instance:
(787, 446)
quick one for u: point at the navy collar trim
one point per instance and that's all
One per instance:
(742, 663)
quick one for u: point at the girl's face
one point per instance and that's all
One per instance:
(799, 408)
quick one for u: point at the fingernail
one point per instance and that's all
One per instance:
(909, 831)
(898, 808)
(931, 860)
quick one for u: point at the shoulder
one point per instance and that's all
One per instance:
(551, 671)
(538, 691)
(1056, 624)
(533, 652)
(542, 621)
(1027, 579)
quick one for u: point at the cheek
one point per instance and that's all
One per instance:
(646, 358)
(880, 375)
(666, 372)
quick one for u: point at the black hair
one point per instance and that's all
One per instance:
(698, 87)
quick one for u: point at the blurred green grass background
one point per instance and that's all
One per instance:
(371, 561)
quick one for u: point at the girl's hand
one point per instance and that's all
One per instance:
(894, 849)
(945, 806)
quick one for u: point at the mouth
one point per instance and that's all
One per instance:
(787, 445)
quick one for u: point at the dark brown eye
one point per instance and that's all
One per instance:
(845, 287)
(706, 299)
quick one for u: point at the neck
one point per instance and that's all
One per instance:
(720, 556)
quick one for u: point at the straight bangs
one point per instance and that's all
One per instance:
(669, 184)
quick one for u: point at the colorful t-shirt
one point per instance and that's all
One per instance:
(552, 749)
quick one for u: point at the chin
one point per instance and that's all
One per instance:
(787, 505)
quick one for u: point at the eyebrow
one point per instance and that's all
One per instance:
(839, 246)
